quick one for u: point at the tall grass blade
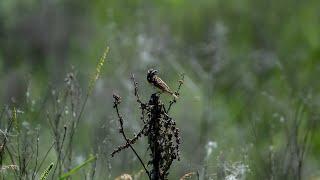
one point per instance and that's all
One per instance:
(74, 170)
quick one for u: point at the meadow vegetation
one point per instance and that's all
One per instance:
(248, 105)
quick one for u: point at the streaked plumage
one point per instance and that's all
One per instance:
(158, 82)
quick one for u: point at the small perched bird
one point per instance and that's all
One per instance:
(158, 82)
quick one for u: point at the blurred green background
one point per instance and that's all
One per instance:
(251, 68)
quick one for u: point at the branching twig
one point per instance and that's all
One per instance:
(117, 100)
(136, 92)
(181, 81)
(12, 160)
(143, 105)
(5, 139)
(130, 141)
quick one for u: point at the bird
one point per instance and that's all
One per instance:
(156, 81)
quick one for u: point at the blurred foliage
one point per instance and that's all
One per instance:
(249, 65)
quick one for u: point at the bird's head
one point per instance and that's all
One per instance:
(151, 73)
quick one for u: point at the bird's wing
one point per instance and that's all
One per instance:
(158, 82)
